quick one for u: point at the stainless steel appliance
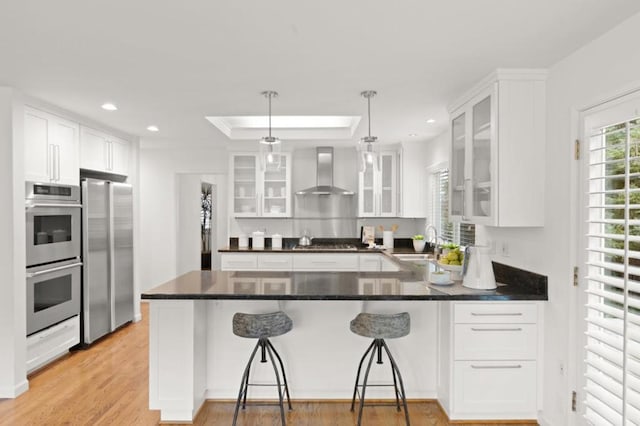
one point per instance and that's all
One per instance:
(52, 222)
(53, 294)
(107, 279)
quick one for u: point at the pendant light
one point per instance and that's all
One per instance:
(270, 146)
(368, 147)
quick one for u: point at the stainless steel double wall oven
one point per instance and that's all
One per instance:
(53, 246)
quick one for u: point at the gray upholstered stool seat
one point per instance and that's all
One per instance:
(255, 326)
(380, 327)
(262, 327)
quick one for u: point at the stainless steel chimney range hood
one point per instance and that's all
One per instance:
(324, 175)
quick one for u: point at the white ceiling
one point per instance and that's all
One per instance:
(171, 63)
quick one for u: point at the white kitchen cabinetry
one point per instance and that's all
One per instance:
(375, 262)
(102, 152)
(50, 343)
(325, 262)
(50, 148)
(378, 187)
(239, 262)
(488, 364)
(353, 262)
(260, 193)
(412, 174)
(497, 136)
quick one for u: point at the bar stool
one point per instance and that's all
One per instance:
(262, 327)
(380, 327)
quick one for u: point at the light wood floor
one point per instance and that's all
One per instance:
(108, 385)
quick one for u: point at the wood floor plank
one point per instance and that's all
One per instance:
(108, 385)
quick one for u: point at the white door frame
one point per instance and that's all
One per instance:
(598, 114)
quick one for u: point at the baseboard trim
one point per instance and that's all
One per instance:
(15, 391)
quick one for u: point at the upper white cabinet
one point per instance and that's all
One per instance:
(50, 148)
(260, 193)
(497, 138)
(412, 160)
(102, 152)
(378, 187)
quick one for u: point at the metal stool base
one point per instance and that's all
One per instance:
(376, 349)
(266, 350)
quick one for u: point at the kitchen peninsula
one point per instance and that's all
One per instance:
(194, 356)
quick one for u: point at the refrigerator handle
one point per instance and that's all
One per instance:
(112, 272)
(85, 256)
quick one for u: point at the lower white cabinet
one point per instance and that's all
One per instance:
(239, 262)
(51, 343)
(275, 262)
(352, 262)
(492, 387)
(489, 360)
(325, 262)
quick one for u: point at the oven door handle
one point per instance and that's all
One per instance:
(31, 206)
(47, 271)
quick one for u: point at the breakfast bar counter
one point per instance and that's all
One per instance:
(194, 356)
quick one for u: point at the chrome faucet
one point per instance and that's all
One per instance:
(435, 239)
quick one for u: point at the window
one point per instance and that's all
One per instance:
(612, 354)
(459, 233)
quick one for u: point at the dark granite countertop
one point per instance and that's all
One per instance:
(410, 283)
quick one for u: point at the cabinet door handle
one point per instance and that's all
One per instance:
(497, 314)
(323, 262)
(496, 329)
(485, 367)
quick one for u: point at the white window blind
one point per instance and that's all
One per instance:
(463, 234)
(613, 276)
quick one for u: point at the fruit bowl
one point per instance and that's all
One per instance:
(452, 268)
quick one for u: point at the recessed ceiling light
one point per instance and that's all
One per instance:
(413, 135)
(153, 128)
(431, 121)
(109, 106)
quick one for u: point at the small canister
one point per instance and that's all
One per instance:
(243, 241)
(276, 241)
(257, 240)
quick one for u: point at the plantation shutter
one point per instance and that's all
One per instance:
(463, 234)
(613, 276)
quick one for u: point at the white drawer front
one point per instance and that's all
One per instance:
(325, 262)
(484, 387)
(52, 342)
(497, 312)
(280, 262)
(369, 262)
(495, 341)
(239, 262)
(388, 265)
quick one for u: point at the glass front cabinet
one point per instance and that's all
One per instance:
(259, 189)
(497, 148)
(378, 187)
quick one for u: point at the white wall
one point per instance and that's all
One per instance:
(159, 169)
(12, 248)
(599, 70)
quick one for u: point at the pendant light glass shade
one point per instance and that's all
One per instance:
(270, 146)
(368, 152)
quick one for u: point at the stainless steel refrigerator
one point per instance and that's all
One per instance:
(107, 254)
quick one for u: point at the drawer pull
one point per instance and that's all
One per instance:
(501, 314)
(495, 366)
(496, 329)
(325, 262)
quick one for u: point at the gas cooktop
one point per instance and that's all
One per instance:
(328, 247)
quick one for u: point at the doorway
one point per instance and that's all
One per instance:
(199, 235)
(206, 218)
